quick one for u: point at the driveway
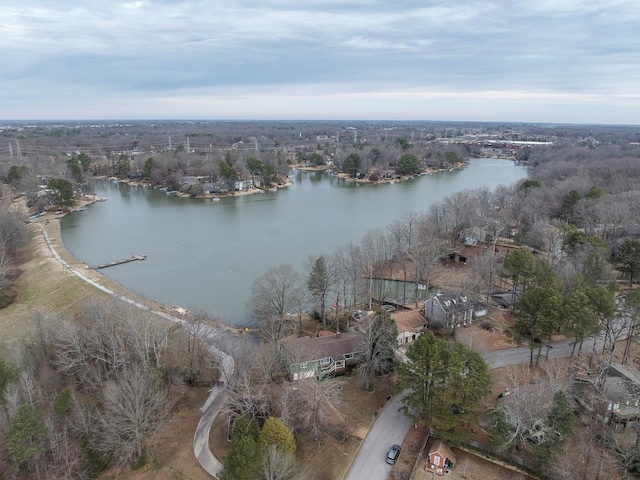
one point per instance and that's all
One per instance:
(391, 426)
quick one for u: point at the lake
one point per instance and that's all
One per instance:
(205, 255)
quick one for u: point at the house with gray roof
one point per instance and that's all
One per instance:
(320, 356)
(448, 310)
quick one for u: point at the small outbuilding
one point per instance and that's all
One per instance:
(440, 459)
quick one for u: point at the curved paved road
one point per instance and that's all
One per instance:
(218, 393)
(391, 426)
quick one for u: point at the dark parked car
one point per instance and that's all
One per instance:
(392, 454)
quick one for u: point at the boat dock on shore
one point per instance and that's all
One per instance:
(132, 258)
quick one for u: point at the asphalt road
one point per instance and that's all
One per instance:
(391, 426)
(515, 356)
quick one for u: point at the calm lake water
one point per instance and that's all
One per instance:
(204, 254)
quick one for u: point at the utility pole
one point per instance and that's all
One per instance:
(169, 142)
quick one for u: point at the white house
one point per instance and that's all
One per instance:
(411, 324)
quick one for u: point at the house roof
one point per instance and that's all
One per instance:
(454, 302)
(504, 299)
(409, 321)
(474, 235)
(307, 349)
(443, 449)
(450, 302)
(621, 385)
(632, 230)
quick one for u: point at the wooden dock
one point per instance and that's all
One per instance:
(132, 258)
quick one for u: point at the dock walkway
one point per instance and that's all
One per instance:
(132, 258)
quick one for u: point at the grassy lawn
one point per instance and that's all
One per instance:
(45, 290)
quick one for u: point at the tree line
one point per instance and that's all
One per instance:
(86, 395)
(566, 226)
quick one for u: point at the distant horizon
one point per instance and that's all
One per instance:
(543, 62)
(308, 120)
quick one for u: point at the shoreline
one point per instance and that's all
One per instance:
(205, 196)
(393, 178)
(50, 224)
(389, 179)
(55, 251)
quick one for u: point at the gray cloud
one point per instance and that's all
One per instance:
(397, 55)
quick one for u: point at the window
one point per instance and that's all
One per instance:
(325, 361)
(436, 460)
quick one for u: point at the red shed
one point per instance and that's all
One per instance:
(441, 459)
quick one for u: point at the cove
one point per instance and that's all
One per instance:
(205, 255)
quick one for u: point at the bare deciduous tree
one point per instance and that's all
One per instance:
(526, 398)
(246, 397)
(379, 342)
(277, 463)
(373, 248)
(133, 406)
(196, 360)
(273, 296)
(321, 401)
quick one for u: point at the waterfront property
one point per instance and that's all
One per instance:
(216, 253)
(319, 356)
(448, 310)
(411, 323)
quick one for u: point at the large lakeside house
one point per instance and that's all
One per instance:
(319, 356)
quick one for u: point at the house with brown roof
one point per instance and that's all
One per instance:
(411, 323)
(320, 356)
(440, 459)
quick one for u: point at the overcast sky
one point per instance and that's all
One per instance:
(575, 61)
